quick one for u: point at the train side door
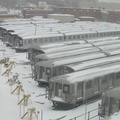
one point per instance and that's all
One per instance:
(79, 90)
(111, 80)
(117, 81)
(96, 84)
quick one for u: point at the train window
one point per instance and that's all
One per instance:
(58, 89)
(89, 85)
(55, 38)
(104, 79)
(78, 36)
(118, 76)
(40, 40)
(89, 35)
(60, 38)
(45, 40)
(82, 36)
(70, 37)
(29, 41)
(25, 41)
(50, 39)
(66, 88)
(104, 34)
(21, 42)
(86, 36)
(35, 40)
(74, 36)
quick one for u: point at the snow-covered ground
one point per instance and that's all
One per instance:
(9, 110)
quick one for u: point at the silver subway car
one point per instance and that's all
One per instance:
(74, 88)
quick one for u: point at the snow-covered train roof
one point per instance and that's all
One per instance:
(79, 33)
(69, 59)
(93, 63)
(57, 44)
(110, 42)
(113, 51)
(71, 53)
(88, 74)
(66, 48)
(106, 47)
(104, 39)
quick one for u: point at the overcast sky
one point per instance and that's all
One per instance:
(111, 1)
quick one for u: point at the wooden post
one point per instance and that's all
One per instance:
(30, 111)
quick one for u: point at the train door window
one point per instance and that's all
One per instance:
(104, 79)
(89, 85)
(66, 89)
(111, 79)
(96, 84)
(80, 89)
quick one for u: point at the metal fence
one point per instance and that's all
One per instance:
(90, 115)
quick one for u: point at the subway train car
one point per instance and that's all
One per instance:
(61, 54)
(74, 88)
(43, 71)
(35, 50)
